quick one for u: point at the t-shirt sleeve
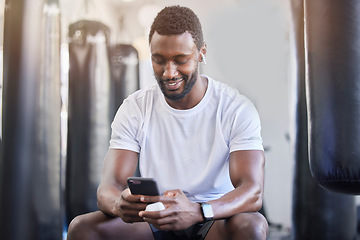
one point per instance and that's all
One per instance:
(125, 127)
(246, 128)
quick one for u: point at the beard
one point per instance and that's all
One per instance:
(189, 83)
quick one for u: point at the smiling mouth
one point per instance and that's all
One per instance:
(173, 84)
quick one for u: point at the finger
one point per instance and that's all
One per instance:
(157, 221)
(131, 213)
(172, 196)
(149, 199)
(167, 201)
(134, 206)
(131, 198)
(167, 223)
(171, 193)
(153, 214)
(131, 216)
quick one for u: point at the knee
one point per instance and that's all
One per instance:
(78, 229)
(248, 226)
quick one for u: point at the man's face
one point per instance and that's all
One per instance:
(175, 63)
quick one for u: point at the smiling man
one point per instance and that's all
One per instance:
(175, 61)
(199, 138)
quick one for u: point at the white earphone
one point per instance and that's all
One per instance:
(203, 57)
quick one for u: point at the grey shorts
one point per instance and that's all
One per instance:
(195, 232)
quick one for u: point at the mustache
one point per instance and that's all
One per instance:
(171, 79)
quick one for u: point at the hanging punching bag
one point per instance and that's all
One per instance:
(333, 83)
(30, 201)
(124, 67)
(89, 114)
(317, 214)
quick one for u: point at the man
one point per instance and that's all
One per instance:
(200, 140)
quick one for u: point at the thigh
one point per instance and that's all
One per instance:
(97, 225)
(240, 226)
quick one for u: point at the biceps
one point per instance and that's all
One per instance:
(247, 166)
(118, 166)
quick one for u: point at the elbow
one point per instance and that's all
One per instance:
(257, 200)
(258, 204)
(99, 198)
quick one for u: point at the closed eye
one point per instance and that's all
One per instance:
(181, 62)
(158, 60)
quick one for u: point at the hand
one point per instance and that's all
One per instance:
(180, 213)
(127, 207)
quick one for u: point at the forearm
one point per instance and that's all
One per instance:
(245, 198)
(107, 199)
(118, 165)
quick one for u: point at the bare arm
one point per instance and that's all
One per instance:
(113, 197)
(247, 175)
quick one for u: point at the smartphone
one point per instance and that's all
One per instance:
(143, 186)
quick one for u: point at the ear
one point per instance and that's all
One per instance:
(203, 51)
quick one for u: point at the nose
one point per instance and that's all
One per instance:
(170, 70)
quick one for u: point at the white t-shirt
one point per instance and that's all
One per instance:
(188, 149)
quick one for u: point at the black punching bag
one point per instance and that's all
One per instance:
(317, 214)
(332, 40)
(30, 199)
(90, 114)
(124, 67)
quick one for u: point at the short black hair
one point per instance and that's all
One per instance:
(176, 20)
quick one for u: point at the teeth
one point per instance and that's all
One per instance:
(174, 83)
